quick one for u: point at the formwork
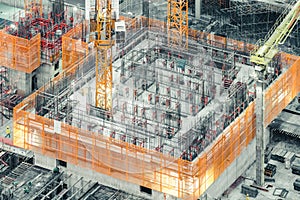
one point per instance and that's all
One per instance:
(20, 54)
(141, 166)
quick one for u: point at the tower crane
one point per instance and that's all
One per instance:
(262, 58)
(103, 44)
(178, 23)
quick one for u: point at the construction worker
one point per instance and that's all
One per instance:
(7, 131)
(247, 197)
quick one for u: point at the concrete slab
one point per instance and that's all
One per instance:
(283, 179)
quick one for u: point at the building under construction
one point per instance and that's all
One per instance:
(178, 115)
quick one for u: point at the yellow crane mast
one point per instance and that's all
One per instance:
(104, 44)
(262, 57)
(178, 23)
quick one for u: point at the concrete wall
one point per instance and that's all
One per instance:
(23, 81)
(15, 3)
(20, 80)
(46, 72)
(43, 161)
(235, 170)
(116, 183)
(50, 163)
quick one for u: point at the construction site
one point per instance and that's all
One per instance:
(149, 99)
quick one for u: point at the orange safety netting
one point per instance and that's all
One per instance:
(152, 169)
(283, 90)
(128, 162)
(20, 54)
(73, 48)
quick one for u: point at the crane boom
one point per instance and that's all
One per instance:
(262, 58)
(269, 49)
(104, 44)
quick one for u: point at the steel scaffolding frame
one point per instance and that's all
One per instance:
(142, 166)
(253, 20)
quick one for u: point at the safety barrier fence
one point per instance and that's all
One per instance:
(20, 54)
(283, 90)
(196, 35)
(152, 169)
(73, 48)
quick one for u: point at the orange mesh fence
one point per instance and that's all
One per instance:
(216, 40)
(281, 93)
(73, 48)
(19, 53)
(129, 162)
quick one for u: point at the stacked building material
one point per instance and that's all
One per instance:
(296, 169)
(247, 190)
(278, 154)
(270, 170)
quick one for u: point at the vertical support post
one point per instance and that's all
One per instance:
(87, 18)
(198, 6)
(260, 128)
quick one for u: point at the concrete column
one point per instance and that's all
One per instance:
(44, 161)
(260, 129)
(267, 137)
(87, 18)
(198, 6)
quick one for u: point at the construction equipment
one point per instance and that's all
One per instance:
(262, 57)
(104, 44)
(178, 23)
(270, 170)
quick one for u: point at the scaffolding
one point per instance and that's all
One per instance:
(73, 46)
(20, 179)
(41, 124)
(33, 7)
(50, 21)
(254, 20)
(20, 54)
(246, 21)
